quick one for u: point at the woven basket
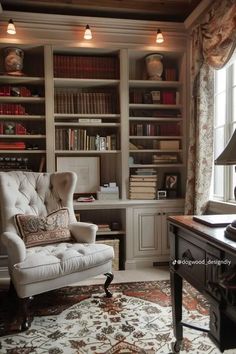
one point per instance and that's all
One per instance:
(115, 244)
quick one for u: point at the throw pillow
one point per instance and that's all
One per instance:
(37, 231)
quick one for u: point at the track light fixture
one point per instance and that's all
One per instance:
(87, 33)
(159, 38)
(11, 27)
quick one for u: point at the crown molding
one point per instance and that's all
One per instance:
(69, 30)
(99, 22)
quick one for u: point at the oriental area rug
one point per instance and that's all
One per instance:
(81, 320)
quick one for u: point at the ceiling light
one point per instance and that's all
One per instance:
(87, 33)
(159, 38)
(11, 27)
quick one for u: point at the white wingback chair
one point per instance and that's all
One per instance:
(34, 270)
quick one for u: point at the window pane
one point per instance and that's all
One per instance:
(220, 84)
(219, 144)
(234, 73)
(220, 109)
(219, 141)
(234, 104)
(219, 181)
(232, 180)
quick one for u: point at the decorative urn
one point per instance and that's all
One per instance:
(154, 66)
(13, 61)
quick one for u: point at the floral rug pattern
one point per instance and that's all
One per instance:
(81, 320)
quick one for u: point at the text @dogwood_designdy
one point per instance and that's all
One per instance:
(188, 262)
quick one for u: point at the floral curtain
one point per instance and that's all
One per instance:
(213, 42)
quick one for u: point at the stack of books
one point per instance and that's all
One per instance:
(164, 158)
(107, 192)
(143, 184)
(103, 227)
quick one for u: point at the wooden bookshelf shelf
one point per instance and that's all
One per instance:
(155, 106)
(159, 137)
(22, 151)
(67, 82)
(92, 124)
(80, 115)
(21, 117)
(154, 84)
(86, 152)
(22, 136)
(7, 99)
(155, 119)
(22, 80)
(111, 233)
(156, 165)
(155, 150)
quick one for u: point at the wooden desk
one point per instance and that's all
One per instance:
(207, 260)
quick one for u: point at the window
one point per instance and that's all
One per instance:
(224, 177)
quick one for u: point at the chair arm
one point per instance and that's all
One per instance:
(15, 247)
(83, 231)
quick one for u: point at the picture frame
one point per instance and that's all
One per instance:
(87, 170)
(161, 194)
(171, 184)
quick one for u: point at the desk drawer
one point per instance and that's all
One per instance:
(191, 262)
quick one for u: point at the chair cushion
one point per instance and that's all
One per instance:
(57, 260)
(36, 230)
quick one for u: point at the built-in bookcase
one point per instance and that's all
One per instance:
(87, 108)
(22, 113)
(97, 103)
(156, 116)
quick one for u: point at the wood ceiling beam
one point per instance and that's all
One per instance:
(135, 6)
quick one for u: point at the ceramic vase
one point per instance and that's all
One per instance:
(154, 66)
(13, 60)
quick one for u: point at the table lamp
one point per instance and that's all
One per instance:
(228, 157)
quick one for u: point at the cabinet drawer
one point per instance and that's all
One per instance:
(191, 262)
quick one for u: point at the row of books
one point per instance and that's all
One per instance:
(11, 128)
(13, 163)
(86, 67)
(19, 145)
(138, 96)
(170, 74)
(153, 129)
(72, 101)
(164, 158)
(13, 108)
(143, 184)
(20, 91)
(78, 139)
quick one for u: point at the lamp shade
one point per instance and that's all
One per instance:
(228, 156)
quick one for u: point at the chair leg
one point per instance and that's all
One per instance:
(12, 290)
(108, 281)
(24, 309)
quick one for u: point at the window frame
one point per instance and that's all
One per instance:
(229, 126)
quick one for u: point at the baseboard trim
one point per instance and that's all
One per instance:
(144, 263)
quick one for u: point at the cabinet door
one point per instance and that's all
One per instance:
(147, 232)
(165, 244)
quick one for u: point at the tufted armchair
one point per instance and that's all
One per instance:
(40, 268)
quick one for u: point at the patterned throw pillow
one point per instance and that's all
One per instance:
(37, 231)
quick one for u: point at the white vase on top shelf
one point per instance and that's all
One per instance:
(154, 66)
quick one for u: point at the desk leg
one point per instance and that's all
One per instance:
(176, 297)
